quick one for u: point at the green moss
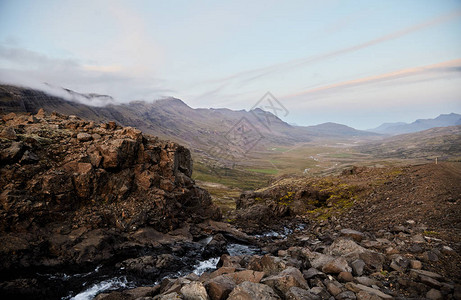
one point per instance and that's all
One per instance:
(430, 232)
(334, 198)
(286, 199)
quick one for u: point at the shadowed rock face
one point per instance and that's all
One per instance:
(62, 176)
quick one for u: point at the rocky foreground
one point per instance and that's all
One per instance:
(78, 196)
(347, 264)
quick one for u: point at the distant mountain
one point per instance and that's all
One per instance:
(334, 129)
(418, 125)
(201, 129)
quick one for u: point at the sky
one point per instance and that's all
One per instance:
(359, 63)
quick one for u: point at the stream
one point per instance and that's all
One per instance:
(86, 286)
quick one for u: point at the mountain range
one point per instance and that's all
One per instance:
(209, 131)
(443, 120)
(201, 129)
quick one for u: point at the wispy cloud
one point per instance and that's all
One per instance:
(250, 75)
(448, 66)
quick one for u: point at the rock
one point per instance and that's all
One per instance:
(448, 251)
(336, 266)
(365, 281)
(221, 271)
(345, 277)
(416, 264)
(229, 261)
(84, 137)
(319, 260)
(430, 281)
(313, 272)
(216, 247)
(430, 256)
(40, 114)
(13, 153)
(418, 239)
(416, 273)
(362, 295)
(346, 295)
(220, 287)
(9, 117)
(252, 291)
(434, 294)
(170, 296)
(268, 264)
(320, 292)
(246, 275)
(359, 287)
(357, 267)
(144, 291)
(194, 291)
(8, 133)
(399, 264)
(296, 293)
(355, 235)
(334, 287)
(29, 158)
(286, 279)
(415, 248)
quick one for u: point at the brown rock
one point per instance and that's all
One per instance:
(336, 266)
(8, 133)
(41, 113)
(220, 287)
(246, 275)
(268, 264)
(9, 117)
(354, 234)
(345, 277)
(194, 291)
(434, 294)
(252, 291)
(416, 264)
(285, 280)
(84, 137)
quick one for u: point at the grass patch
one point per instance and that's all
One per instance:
(264, 171)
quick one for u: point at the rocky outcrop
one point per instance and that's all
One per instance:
(76, 192)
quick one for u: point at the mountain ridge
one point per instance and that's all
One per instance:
(442, 120)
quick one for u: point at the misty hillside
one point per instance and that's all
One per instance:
(419, 125)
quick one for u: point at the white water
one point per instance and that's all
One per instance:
(205, 265)
(97, 288)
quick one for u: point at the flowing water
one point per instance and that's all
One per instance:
(98, 281)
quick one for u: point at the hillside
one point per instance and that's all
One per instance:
(441, 142)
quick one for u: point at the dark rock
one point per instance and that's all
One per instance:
(357, 267)
(216, 247)
(296, 293)
(434, 294)
(313, 272)
(346, 295)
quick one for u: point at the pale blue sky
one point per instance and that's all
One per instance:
(360, 63)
